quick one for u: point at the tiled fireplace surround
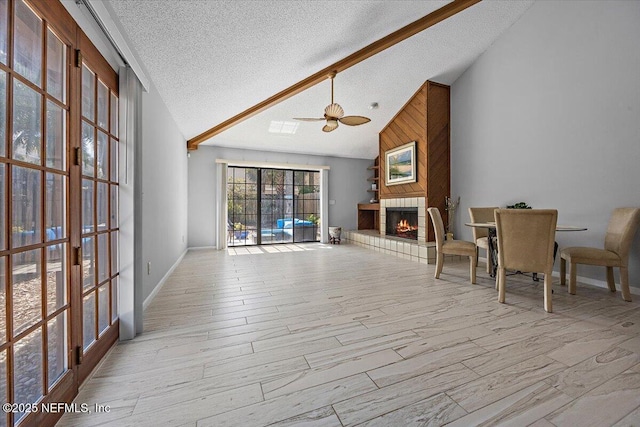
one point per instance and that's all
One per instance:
(411, 202)
(376, 240)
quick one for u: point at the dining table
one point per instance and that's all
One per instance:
(493, 246)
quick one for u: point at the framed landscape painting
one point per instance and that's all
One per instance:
(401, 164)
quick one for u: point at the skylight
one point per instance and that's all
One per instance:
(283, 127)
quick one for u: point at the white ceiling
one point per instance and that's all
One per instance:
(211, 60)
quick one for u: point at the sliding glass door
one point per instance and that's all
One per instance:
(276, 206)
(306, 206)
(267, 205)
(242, 206)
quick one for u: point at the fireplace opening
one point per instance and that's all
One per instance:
(402, 222)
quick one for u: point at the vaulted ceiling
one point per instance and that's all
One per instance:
(212, 60)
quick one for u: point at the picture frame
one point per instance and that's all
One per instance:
(400, 164)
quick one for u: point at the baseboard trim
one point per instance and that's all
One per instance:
(597, 283)
(201, 248)
(162, 281)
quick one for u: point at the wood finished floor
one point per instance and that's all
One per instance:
(318, 335)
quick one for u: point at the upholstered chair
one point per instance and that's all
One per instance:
(617, 244)
(525, 243)
(451, 247)
(480, 235)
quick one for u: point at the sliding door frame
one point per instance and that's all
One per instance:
(222, 165)
(298, 232)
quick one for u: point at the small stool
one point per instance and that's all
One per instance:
(334, 235)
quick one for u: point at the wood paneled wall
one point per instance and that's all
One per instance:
(408, 125)
(438, 149)
(425, 119)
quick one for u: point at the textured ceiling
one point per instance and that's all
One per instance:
(211, 60)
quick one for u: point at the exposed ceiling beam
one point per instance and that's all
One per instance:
(378, 46)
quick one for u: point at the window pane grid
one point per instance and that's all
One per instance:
(35, 143)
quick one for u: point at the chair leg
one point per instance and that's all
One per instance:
(488, 262)
(548, 281)
(624, 283)
(572, 278)
(472, 265)
(610, 280)
(563, 272)
(502, 276)
(439, 262)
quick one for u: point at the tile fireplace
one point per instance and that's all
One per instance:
(416, 225)
(402, 222)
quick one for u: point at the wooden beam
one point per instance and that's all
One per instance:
(378, 46)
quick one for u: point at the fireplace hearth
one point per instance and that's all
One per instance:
(402, 222)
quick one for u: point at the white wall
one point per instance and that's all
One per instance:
(164, 191)
(347, 186)
(550, 115)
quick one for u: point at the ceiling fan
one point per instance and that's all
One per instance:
(334, 113)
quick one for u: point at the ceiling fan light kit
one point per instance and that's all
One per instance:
(334, 113)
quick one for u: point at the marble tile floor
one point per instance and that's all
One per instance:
(322, 335)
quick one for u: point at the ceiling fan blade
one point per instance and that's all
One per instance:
(309, 119)
(334, 110)
(354, 120)
(330, 126)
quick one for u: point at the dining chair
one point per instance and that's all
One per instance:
(617, 244)
(525, 243)
(480, 235)
(451, 247)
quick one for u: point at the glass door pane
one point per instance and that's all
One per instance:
(4, 14)
(307, 206)
(27, 51)
(56, 67)
(56, 343)
(276, 206)
(242, 206)
(3, 113)
(27, 370)
(27, 141)
(26, 298)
